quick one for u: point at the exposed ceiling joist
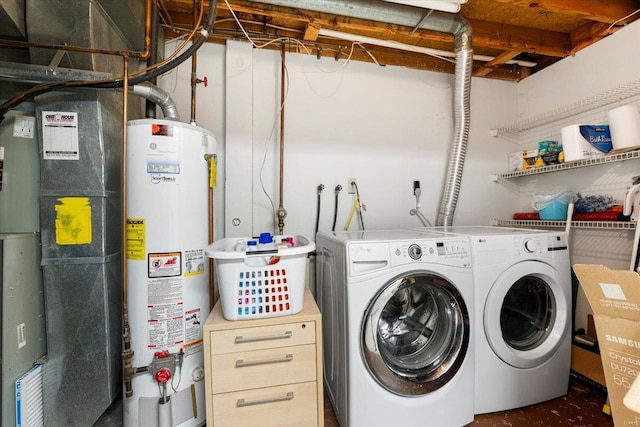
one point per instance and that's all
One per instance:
(540, 31)
(608, 12)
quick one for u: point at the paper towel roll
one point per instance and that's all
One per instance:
(624, 124)
(577, 147)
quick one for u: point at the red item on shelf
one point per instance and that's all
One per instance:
(526, 216)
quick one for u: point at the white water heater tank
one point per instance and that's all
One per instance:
(167, 271)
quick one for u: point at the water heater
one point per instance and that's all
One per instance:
(167, 271)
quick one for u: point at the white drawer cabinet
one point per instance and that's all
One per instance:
(265, 372)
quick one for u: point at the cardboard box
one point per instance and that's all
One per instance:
(529, 159)
(515, 161)
(587, 364)
(614, 296)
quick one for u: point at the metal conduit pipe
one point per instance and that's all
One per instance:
(376, 10)
(38, 74)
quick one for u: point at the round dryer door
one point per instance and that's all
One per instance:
(415, 334)
(526, 314)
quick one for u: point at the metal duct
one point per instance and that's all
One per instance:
(38, 74)
(437, 21)
(157, 96)
(82, 280)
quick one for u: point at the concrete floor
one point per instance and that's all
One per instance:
(581, 407)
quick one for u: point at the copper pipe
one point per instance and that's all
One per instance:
(123, 181)
(127, 353)
(212, 282)
(124, 53)
(282, 96)
(281, 212)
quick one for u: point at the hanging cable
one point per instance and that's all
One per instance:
(319, 190)
(335, 208)
(357, 207)
(361, 206)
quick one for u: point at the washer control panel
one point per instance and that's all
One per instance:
(415, 251)
(452, 251)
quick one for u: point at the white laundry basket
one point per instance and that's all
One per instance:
(267, 282)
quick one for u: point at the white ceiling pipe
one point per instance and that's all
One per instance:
(410, 48)
(451, 6)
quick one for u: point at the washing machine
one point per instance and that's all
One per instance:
(396, 320)
(522, 286)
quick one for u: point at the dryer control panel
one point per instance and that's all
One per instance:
(544, 245)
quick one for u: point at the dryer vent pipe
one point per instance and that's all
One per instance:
(438, 21)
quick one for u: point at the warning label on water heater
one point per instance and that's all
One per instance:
(193, 262)
(165, 313)
(165, 264)
(136, 239)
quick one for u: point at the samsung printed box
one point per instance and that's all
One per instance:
(614, 296)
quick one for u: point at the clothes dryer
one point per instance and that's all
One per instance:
(397, 309)
(522, 292)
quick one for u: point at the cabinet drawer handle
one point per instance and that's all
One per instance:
(241, 339)
(242, 363)
(241, 402)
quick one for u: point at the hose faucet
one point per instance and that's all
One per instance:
(416, 192)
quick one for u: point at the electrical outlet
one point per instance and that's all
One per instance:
(351, 186)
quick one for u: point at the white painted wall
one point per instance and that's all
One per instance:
(609, 64)
(384, 126)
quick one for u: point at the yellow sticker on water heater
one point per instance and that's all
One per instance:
(136, 250)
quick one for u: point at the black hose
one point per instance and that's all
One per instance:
(38, 90)
(335, 208)
(319, 191)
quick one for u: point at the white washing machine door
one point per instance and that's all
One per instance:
(415, 334)
(526, 314)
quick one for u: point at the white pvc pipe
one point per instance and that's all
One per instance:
(410, 48)
(451, 6)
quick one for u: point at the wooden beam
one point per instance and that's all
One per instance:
(588, 34)
(311, 32)
(485, 34)
(593, 10)
(515, 38)
(491, 65)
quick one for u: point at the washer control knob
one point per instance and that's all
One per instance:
(415, 251)
(530, 246)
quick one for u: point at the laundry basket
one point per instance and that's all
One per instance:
(261, 280)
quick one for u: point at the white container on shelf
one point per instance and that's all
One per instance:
(624, 123)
